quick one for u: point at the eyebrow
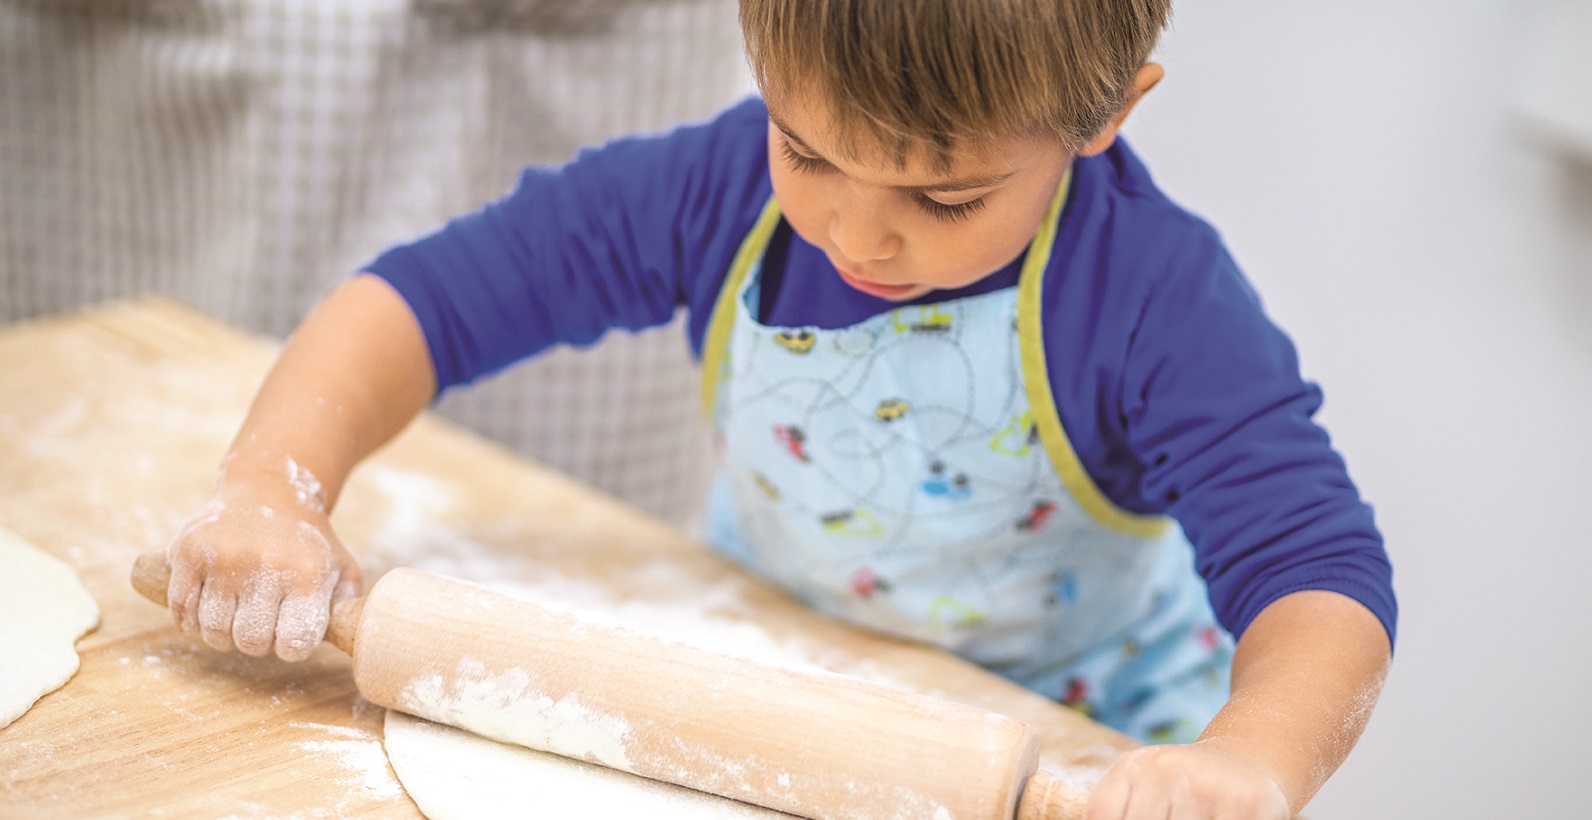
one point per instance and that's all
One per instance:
(944, 186)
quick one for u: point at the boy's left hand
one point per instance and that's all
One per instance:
(1201, 780)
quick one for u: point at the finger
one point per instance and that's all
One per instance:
(1110, 800)
(254, 626)
(217, 606)
(301, 625)
(1149, 806)
(1191, 809)
(1139, 807)
(182, 596)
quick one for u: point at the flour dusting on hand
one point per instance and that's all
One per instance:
(306, 487)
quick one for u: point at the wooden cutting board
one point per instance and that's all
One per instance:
(112, 422)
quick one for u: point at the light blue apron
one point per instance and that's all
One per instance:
(910, 473)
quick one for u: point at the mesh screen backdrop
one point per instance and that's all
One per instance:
(244, 156)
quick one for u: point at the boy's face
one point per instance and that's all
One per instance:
(899, 231)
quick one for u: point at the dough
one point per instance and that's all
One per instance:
(451, 773)
(43, 611)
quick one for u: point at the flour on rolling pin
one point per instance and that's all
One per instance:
(508, 705)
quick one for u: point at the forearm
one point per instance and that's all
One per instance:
(1306, 675)
(354, 373)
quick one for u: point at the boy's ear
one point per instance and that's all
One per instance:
(1148, 76)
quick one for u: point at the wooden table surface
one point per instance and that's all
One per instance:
(112, 422)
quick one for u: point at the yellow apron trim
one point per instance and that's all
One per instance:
(718, 335)
(1036, 376)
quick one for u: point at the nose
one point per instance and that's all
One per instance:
(860, 227)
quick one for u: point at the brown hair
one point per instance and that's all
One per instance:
(942, 73)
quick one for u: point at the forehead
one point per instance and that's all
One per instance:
(864, 152)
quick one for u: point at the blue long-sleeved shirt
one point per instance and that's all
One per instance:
(1179, 395)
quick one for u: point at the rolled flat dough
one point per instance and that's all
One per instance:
(451, 773)
(43, 611)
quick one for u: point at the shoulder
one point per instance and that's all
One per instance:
(1136, 233)
(1126, 252)
(1144, 310)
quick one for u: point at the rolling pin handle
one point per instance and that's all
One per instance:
(151, 576)
(1046, 798)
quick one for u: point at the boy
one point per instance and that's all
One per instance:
(967, 365)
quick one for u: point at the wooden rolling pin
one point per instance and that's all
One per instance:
(590, 687)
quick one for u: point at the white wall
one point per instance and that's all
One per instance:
(1435, 267)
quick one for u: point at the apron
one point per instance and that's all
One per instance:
(910, 474)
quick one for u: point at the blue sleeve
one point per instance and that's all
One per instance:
(620, 236)
(1212, 404)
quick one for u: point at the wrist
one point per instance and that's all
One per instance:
(1260, 758)
(273, 480)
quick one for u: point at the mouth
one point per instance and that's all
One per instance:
(883, 291)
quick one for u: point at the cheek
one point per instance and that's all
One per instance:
(956, 256)
(802, 201)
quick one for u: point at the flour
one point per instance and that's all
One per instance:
(362, 765)
(92, 433)
(508, 706)
(43, 611)
(349, 758)
(1084, 778)
(411, 529)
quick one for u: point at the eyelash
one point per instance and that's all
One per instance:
(804, 164)
(950, 213)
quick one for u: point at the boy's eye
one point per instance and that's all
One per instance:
(950, 213)
(802, 162)
(939, 210)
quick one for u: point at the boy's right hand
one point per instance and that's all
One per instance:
(260, 573)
